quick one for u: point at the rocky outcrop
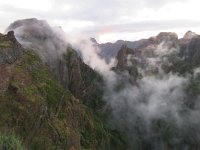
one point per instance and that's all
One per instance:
(80, 79)
(130, 59)
(10, 50)
(179, 55)
(166, 39)
(189, 35)
(164, 51)
(69, 72)
(122, 57)
(190, 49)
(194, 50)
(126, 66)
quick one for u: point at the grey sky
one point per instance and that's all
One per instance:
(107, 20)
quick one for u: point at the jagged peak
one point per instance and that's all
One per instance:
(93, 40)
(119, 41)
(166, 36)
(10, 48)
(124, 46)
(21, 22)
(11, 36)
(189, 35)
(123, 52)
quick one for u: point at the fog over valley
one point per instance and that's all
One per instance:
(100, 75)
(150, 89)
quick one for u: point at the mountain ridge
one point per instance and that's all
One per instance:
(39, 110)
(109, 50)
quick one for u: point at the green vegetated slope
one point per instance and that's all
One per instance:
(85, 83)
(38, 113)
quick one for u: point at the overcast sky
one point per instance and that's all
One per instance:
(108, 20)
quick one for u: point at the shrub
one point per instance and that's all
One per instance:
(10, 142)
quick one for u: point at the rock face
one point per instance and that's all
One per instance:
(180, 54)
(184, 43)
(80, 79)
(194, 50)
(189, 35)
(190, 49)
(129, 60)
(121, 57)
(39, 110)
(11, 50)
(126, 65)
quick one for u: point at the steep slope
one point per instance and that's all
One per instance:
(35, 106)
(85, 83)
(151, 95)
(159, 110)
(66, 65)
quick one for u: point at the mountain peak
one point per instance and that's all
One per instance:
(166, 36)
(93, 40)
(11, 36)
(11, 50)
(189, 35)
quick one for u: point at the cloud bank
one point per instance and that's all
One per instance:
(107, 19)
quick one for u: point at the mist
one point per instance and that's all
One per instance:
(52, 42)
(157, 103)
(156, 98)
(47, 41)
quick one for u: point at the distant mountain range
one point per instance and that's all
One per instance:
(109, 50)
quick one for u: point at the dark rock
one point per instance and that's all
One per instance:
(166, 36)
(194, 51)
(122, 57)
(190, 48)
(10, 34)
(10, 49)
(93, 40)
(79, 78)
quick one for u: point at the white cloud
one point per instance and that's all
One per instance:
(84, 16)
(44, 5)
